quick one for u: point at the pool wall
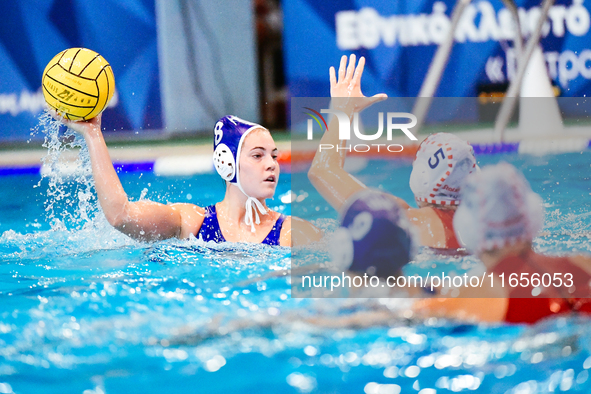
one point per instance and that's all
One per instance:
(176, 161)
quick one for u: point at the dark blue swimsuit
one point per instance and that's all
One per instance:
(210, 229)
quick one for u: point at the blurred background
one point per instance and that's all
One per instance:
(181, 64)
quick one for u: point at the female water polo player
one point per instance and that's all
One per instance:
(441, 164)
(499, 217)
(245, 156)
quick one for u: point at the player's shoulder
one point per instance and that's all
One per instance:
(191, 218)
(422, 214)
(296, 231)
(188, 208)
(294, 221)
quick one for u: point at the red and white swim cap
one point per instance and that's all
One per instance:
(498, 209)
(441, 166)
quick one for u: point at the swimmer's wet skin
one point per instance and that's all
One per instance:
(242, 150)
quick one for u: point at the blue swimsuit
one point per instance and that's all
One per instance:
(210, 229)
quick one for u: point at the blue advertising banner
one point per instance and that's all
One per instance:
(123, 31)
(399, 38)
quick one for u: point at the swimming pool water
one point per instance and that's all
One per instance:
(87, 310)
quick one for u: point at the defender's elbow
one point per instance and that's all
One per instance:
(120, 220)
(117, 222)
(311, 174)
(314, 175)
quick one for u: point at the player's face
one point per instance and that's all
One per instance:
(259, 170)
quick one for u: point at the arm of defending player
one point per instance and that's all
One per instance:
(327, 173)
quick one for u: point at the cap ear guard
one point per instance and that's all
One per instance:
(224, 163)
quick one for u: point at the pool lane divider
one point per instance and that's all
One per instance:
(300, 159)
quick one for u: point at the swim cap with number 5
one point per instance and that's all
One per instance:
(442, 163)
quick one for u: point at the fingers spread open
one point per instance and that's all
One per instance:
(342, 68)
(378, 97)
(333, 77)
(351, 67)
(358, 71)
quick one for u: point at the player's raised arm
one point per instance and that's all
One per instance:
(145, 220)
(327, 173)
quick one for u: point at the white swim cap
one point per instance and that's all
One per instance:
(442, 163)
(498, 209)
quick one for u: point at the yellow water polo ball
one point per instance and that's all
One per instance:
(78, 83)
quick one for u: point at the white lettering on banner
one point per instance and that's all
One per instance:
(488, 28)
(439, 23)
(32, 102)
(369, 32)
(556, 15)
(368, 29)
(14, 104)
(529, 20)
(584, 62)
(466, 30)
(494, 69)
(507, 27)
(577, 19)
(567, 67)
(388, 30)
(562, 66)
(418, 30)
(346, 30)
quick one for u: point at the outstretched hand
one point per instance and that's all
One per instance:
(83, 126)
(348, 85)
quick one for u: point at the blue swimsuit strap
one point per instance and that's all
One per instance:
(274, 235)
(210, 229)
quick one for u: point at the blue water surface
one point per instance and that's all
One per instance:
(86, 309)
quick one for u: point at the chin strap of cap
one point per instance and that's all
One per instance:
(252, 205)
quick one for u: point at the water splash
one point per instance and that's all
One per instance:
(71, 199)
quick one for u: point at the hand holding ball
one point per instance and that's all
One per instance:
(78, 83)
